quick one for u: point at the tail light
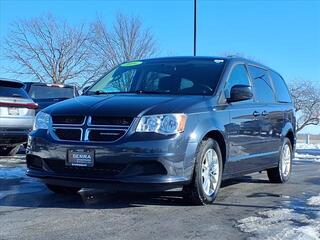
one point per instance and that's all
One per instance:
(20, 105)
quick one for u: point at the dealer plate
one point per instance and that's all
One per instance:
(80, 157)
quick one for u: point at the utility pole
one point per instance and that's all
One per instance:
(195, 28)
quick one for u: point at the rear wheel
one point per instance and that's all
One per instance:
(281, 173)
(62, 190)
(207, 174)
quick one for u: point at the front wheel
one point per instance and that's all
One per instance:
(207, 174)
(62, 190)
(281, 173)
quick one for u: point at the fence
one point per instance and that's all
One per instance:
(308, 138)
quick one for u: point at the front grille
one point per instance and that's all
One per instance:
(68, 119)
(91, 128)
(105, 135)
(68, 134)
(121, 121)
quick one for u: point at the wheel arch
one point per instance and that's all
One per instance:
(288, 132)
(219, 137)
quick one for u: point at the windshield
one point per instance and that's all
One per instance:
(181, 77)
(48, 92)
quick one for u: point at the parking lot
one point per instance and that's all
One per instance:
(29, 211)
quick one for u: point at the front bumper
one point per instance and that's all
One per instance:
(131, 163)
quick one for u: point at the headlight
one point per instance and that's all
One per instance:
(163, 124)
(42, 121)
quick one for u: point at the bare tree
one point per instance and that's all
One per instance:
(47, 50)
(306, 97)
(126, 40)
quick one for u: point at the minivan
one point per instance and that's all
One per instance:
(163, 123)
(46, 94)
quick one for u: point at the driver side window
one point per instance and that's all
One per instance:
(238, 76)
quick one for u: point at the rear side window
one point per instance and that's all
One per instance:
(48, 92)
(282, 92)
(8, 89)
(262, 85)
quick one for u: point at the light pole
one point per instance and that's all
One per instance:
(195, 28)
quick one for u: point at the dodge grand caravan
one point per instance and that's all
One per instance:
(163, 123)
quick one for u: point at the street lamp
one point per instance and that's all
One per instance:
(195, 28)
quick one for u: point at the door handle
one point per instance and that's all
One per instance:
(265, 113)
(256, 114)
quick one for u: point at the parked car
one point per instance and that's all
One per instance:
(17, 111)
(47, 94)
(163, 123)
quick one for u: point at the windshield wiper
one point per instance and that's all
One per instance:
(129, 92)
(99, 92)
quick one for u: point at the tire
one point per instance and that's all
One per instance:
(281, 173)
(198, 192)
(63, 190)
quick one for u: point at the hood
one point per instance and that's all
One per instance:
(130, 105)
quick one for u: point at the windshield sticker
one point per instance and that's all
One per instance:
(218, 60)
(130, 64)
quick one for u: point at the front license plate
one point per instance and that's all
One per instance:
(13, 111)
(80, 157)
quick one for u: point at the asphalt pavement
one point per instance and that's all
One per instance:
(29, 211)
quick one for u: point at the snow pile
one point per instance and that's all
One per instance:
(284, 223)
(314, 201)
(307, 157)
(307, 146)
(307, 152)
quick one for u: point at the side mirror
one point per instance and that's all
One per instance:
(240, 93)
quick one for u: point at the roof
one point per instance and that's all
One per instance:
(228, 58)
(11, 82)
(47, 84)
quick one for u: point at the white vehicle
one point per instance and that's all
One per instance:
(17, 111)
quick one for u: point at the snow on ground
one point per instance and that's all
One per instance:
(292, 221)
(314, 201)
(307, 146)
(308, 152)
(286, 223)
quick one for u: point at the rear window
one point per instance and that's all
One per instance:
(262, 85)
(48, 92)
(282, 93)
(12, 89)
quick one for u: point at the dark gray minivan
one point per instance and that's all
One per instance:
(163, 123)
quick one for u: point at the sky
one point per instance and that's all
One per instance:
(284, 35)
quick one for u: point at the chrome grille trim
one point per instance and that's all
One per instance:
(71, 125)
(56, 137)
(89, 123)
(87, 132)
(86, 127)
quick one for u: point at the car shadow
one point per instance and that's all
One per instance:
(40, 197)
